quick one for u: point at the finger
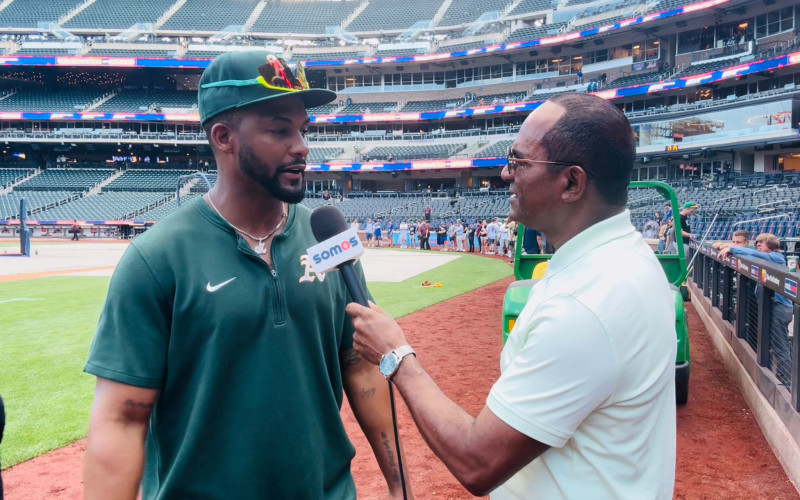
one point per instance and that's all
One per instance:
(355, 309)
(376, 307)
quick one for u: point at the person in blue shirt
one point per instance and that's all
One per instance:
(768, 248)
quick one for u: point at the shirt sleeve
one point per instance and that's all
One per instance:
(132, 336)
(774, 257)
(564, 370)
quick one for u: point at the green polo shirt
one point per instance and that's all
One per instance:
(245, 358)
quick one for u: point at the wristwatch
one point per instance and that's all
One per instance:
(391, 362)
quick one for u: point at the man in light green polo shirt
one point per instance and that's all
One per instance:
(221, 355)
(585, 405)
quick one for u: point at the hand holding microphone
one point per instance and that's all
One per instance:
(376, 333)
(377, 336)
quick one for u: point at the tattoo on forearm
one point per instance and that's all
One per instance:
(138, 405)
(367, 392)
(390, 455)
(351, 357)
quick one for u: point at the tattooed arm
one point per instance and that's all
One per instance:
(368, 394)
(115, 449)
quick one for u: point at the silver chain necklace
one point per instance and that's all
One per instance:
(260, 249)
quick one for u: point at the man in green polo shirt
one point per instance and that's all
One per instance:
(220, 355)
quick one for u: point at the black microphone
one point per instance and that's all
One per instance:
(326, 222)
(329, 226)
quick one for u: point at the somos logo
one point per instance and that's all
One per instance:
(335, 250)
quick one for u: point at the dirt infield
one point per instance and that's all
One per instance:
(721, 452)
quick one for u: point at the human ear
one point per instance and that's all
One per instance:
(222, 138)
(575, 182)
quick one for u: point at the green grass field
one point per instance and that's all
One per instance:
(48, 325)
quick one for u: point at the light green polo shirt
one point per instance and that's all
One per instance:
(245, 358)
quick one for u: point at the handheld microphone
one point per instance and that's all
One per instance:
(338, 246)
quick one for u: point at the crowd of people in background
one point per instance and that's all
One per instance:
(489, 236)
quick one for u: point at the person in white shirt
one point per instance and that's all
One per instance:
(585, 403)
(403, 234)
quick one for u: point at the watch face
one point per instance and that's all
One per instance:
(388, 364)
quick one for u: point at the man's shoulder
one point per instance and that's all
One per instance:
(181, 223)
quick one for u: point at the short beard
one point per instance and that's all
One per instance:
(253, 168)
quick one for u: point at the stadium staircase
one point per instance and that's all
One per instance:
(5, 4)
(260, 6)
(473, 148)
(187, 187)
(96, 104)
(165, 17)
(349, 19)
(9, 92)
(99, 187)
(74, 12)
(440, 13)
(510, 8)
(11, 186)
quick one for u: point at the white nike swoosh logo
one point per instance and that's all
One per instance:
(213, 288)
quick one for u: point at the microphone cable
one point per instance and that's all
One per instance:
(397, 440)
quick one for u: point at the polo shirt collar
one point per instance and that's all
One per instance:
(614, 227)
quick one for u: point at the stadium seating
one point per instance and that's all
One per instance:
(138, 101)
(161, 211)
(321, 155)
(498, 149)
(65, 179)
(9, 203)
(302, 16)
(437, 105)
(129, 52)
(398, 52)
(366, 107)
(413, 152)
(12, 175)
(28, 13)
(526, 6)
(323, 110)
(638, 79)
(393, 15)
(147, 180)
(327, 56)
(467, 11)
(38, 100)
(533, 33)
(707, 67)
(25, 51)
(104, 206)
(106, 14)
(461, 46)
(202, 54)
(202, 15)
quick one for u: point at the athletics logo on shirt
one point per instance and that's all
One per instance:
(309, 273)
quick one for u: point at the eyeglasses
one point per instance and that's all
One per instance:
(513, 163)
(274, 75)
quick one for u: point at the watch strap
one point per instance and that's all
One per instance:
(400, 353)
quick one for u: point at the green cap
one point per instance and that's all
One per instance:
(690, 204)
(239, 71)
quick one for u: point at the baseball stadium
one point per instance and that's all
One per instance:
(101, 140)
